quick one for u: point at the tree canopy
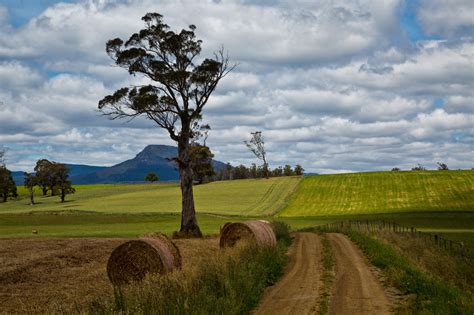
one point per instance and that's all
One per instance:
(151, 177)
(7, 185)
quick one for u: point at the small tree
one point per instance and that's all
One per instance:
(240, 172)
(442, 166)
(44, 175)
(152, 177)
(395, 169)
(176, 96)
(257, 146)
(299, 170)
(201, 161)
(419, 167)
(287, 171)
(277, 172)
(60, 173)
(30, 183)
(7, 185)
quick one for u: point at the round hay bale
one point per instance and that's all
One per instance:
(259, 231)
(171, 246)
(133, 260)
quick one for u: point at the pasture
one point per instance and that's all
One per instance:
(382, 192)
(248, 197)
(434, 201)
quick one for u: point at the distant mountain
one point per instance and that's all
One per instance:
(74, 170)
(154, 158)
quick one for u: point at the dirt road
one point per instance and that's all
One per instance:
(298, 290)
(356, 289)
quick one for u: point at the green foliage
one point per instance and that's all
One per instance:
(201, 162)
(382, 192)
(7, 185)
(224, 283)
(282, 232)
(151, 177)
(299, 170)
(432, 295)
(31, 181)
(287, 171)
(328, 275)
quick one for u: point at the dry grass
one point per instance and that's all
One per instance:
(52, 274)
(228, 281)
(454, 269)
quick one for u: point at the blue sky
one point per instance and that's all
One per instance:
(336, 86)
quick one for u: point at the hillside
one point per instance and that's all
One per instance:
(383, 192)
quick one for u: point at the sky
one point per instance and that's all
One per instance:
(334, 85)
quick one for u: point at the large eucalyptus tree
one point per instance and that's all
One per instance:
(179, 88)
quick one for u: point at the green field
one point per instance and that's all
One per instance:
(85, 224)
(433, 201)
(240, 197)
(382, 192)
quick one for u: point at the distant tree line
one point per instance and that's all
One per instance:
(420, 167)
(49, 176)
(242, 172)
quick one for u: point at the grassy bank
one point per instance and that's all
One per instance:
(230, 281)
(383, 192)
(430, 293)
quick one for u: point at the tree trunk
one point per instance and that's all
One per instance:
(5, 196)
(189, 225)
(63, 194)
(45, 190)
(32, 198)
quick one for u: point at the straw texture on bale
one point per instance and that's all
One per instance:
(133, 260)
(259, 231)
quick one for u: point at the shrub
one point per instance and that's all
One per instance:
(282, 232)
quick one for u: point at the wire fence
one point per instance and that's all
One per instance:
(456, 248)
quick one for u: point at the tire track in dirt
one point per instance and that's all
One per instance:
(356, 290)
(298, 290)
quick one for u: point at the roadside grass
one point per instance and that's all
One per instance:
(238, 197)
(382, 192)
(454, 269)
(328, 275)
(430, 294)
(230, 281)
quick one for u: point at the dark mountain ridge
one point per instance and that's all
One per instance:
(153, 158)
